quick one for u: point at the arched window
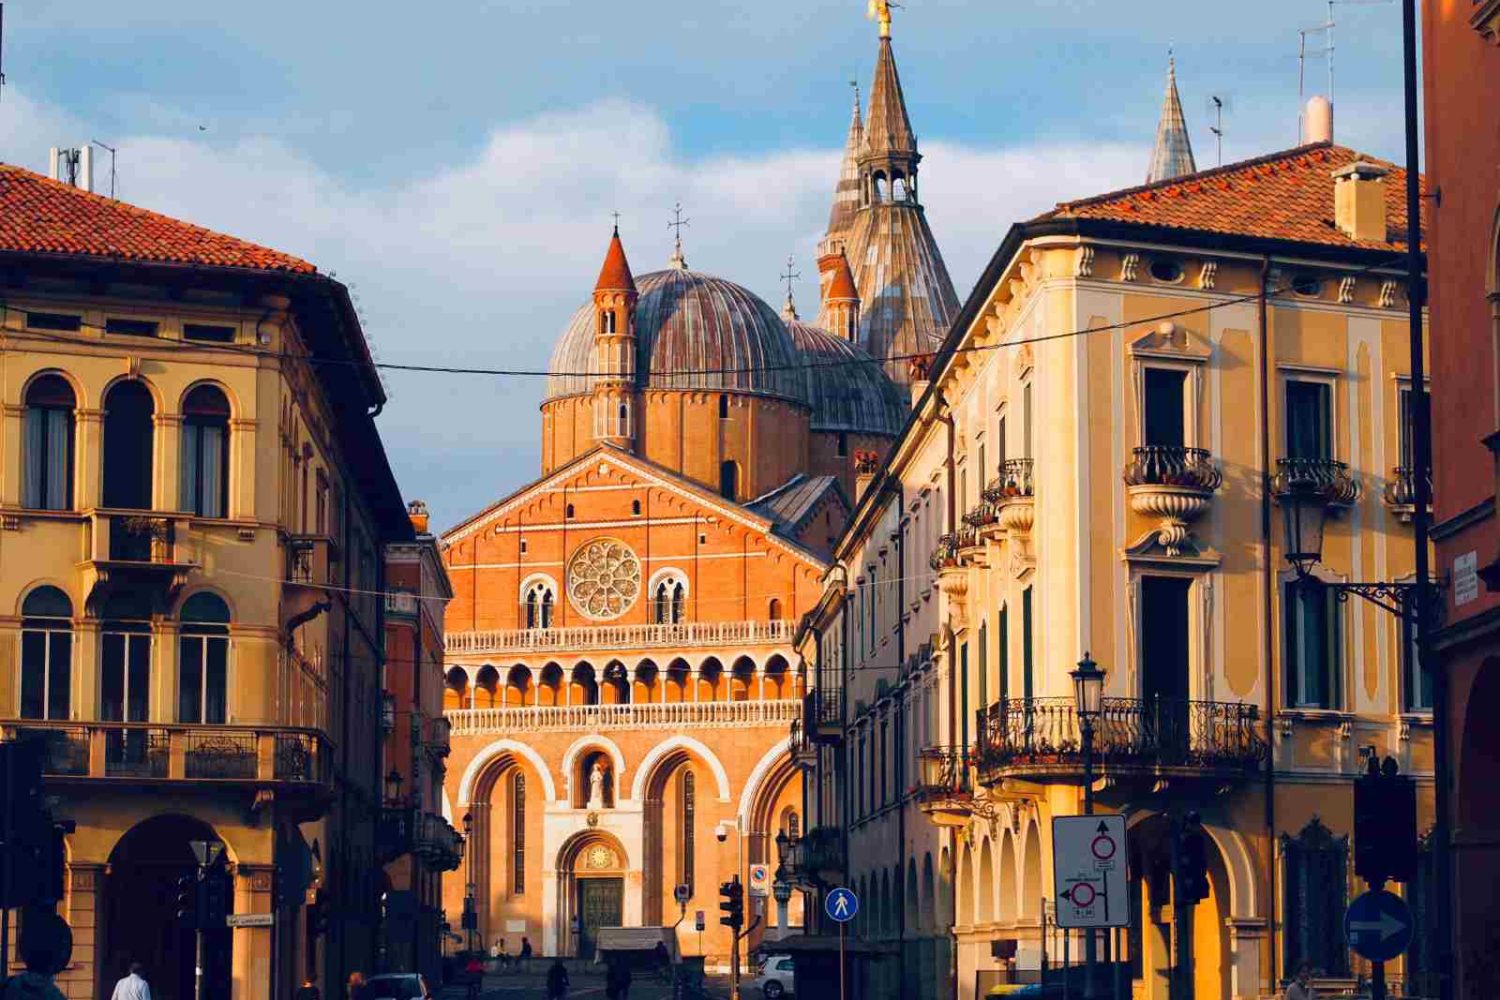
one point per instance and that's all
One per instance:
(47, 482)
(539, 603)
(723, 407)
(624, 419)
(607, 322)
(729, 480)
(635, 508)
(203, 660)
(773, 610)
(205, 452)
(125, 685)
(661, 604)
(46, 654)
(687, 826)
(128, 446)
(518, 833)
(569, 511)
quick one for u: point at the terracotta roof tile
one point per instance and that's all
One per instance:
(1283, 196)
(615, 275)
(43, 216)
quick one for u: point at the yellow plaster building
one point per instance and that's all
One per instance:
(1093, 468)
(193, 500)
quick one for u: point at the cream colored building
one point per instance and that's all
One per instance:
(1093, 468)
(191, 525)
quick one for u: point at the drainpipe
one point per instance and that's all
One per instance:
(952, 522)
(1268, 587)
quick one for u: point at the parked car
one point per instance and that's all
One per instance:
(397, 986)
(773, 982)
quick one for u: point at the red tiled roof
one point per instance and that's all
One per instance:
(842, 285)
(615, 275)
(1283, 196)
(43, 216)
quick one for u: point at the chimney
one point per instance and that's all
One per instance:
(1359, 201)
(417, 511)
(74, 167)
(866, 464)
(1317, 120)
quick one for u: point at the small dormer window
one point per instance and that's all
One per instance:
(1166, 270)
(1308, 286)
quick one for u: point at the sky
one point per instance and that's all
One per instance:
(457, 163)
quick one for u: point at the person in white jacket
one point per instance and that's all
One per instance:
(133, 986)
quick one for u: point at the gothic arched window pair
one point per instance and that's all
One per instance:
(540, 600)
(669, 601)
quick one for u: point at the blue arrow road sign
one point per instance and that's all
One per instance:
(1378, 925)
(841, 905)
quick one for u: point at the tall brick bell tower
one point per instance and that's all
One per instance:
(614, 396)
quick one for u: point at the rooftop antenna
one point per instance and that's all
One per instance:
(111, 151)
(1217, 105)
(678, 260)
(1326, 30)
(2, 49)
(617, 222)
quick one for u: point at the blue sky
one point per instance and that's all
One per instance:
(457, 162)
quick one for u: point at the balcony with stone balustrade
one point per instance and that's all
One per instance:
(775, 712)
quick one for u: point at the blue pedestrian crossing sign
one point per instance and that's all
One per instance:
(1378, 925)
(841, 905)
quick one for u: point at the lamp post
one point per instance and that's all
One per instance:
(471, 909)
(781, 887)
(393, 787)
(1088, 702)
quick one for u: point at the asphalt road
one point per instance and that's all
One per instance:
(532, 985)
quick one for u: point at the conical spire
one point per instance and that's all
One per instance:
(889, 129)
(615, 275)
(846, 191)
(1173, 155)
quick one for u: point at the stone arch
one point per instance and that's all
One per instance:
(487, 680)
(232, 400)
(965, 880)
(779, 682)
(570, 859)
(985, 908)
(758, 777)
(912, 898)
(550, 683)
(742, 678)
(697, 748)
(678, 679)
(592, 742)
(945, 886)
(497, 749)
(1031, 873)
(1010, 894)
(711, 676)
(928, 916)
(456, 686)
(645, 681)
(518, 686)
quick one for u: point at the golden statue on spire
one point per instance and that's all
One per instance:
(880, 10)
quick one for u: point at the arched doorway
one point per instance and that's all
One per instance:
(591, 890)
(1149, 943)
(670, 836)
(140, 912)
(1477, 861)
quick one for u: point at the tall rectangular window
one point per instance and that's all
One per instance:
(203, 667)
(1000, 443)
(1027, 640)
(518, 834)
(984, 665)
(1004, 638)
(885, 761)
(1026, 441)
(687, 826)
(1309, 419)
(46, 656)
(1416, 682)
(963, 698)
(1165, 407)
(1404, 407)
(1313, 646)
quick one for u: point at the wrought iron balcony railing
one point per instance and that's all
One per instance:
(1013, 481)
(1324, 476)
(1166, 465)
(823, 715)
(1040, 738)
(438, 843)
(1400, 492)
(941, 773)
(247, 755)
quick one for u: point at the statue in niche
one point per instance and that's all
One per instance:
(597, 778)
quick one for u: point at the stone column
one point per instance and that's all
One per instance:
(251, 970)
(11, 435)
(693, 680)
(81, 910)
(242, 468)
(167, 492)
(88, 449)
(1247, 938)
(760, 679)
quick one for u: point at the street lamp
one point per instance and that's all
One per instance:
(393, 786)
(1088, 699)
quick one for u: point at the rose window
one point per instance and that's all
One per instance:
(604, 578)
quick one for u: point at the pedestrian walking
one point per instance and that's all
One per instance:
(1301, 987)
(133, 986)
(557, 981)
(523, 958)
(356, 988)
(474, 972)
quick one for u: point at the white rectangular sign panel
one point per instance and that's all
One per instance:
(1465, 579)
(251, 920)
(1088, 871)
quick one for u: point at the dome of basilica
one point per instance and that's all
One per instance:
(693, 331)
(846, 395)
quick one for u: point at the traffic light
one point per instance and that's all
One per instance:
(1385, 824)
(188, 900)
(21, 854)
(732, 904)
(1192, 860)
(215, 896)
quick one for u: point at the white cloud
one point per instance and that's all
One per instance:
(481, 262)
